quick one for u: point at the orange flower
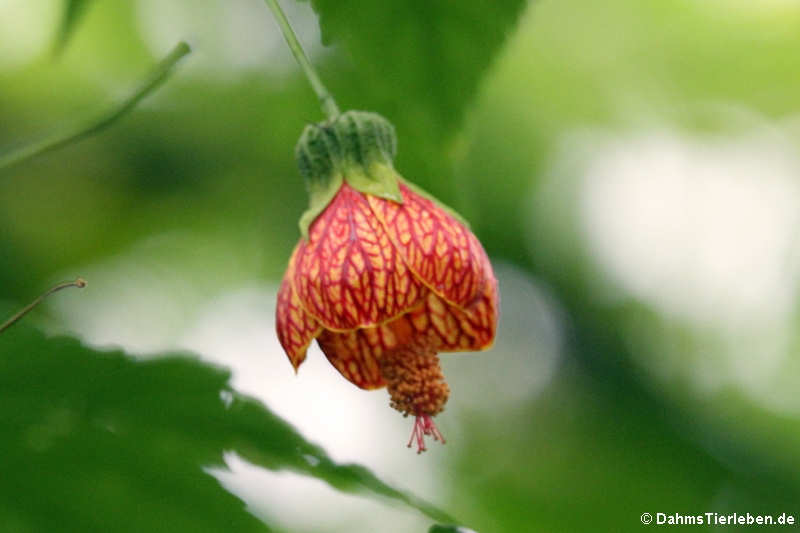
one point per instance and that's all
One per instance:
(386, 278)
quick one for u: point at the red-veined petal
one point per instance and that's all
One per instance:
(348, 274)
(439, 249)
(453, 329)
(296, 328)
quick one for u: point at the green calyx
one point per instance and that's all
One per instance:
(356, 147)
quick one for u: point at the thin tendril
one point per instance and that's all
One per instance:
(80, 283)
(160, 73)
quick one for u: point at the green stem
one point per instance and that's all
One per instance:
(80, 283)
(160, 73)
(326, 100)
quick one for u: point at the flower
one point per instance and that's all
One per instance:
(384, 278)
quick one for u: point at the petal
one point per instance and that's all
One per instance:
(453, 329)
(439, 249)
(348, 273)
(356, 354)
(295, 327)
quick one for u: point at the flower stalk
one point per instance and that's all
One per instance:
(326, 100)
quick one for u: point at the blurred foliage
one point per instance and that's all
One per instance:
(479, 123)
(599, 450)
(445, 529)
(157, 76)
(73, 11)
(98, 441)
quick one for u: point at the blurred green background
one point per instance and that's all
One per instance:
(631, 167)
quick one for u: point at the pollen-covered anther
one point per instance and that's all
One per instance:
(414, 380)
(416, 387)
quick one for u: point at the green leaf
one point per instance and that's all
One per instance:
(100, 441)
(419, 63)
(424, 54)
(72, 13)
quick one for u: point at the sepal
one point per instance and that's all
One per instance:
(357, 147)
